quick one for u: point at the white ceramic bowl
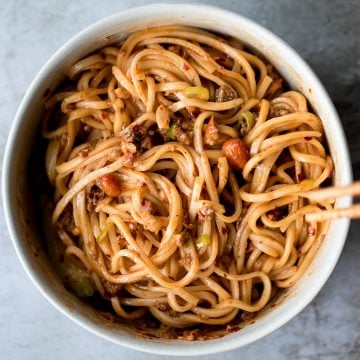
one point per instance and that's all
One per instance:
(117, 27)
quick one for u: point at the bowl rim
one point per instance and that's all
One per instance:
(9, 191)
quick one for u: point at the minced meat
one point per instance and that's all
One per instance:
(224, 93)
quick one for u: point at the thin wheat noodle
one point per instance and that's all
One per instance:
(151, 205)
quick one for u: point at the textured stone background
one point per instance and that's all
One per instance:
(326, 34)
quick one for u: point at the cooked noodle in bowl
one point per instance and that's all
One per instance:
(187, 179)
(190, 185)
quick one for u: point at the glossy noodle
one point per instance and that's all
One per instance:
(187, 179)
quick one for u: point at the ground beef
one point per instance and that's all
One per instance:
(94, 197)
(278, 111)
(186, 124)
(205, 212)
(139, 136)
(187, 259)
(184, 137)
(182, 131)
(129, 159)
(128, 134)
(225, 93)
(146, 143)
(162, 307)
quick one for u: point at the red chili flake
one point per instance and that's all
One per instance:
(142, 184)
(108, 256)
(186, 67)
(311, 232)
(133, 233)
(308, 138)
(103, 115)
(224, 230)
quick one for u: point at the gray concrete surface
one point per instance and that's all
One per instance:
(326, 34)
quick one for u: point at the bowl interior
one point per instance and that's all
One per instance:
(18, 207)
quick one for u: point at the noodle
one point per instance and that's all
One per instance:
(158, 202)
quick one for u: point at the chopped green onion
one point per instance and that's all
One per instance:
(246, 122)
(197, 92)
(103, 233)
(83, 287)
(249, 118)
(170, 132)
(202, 241)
